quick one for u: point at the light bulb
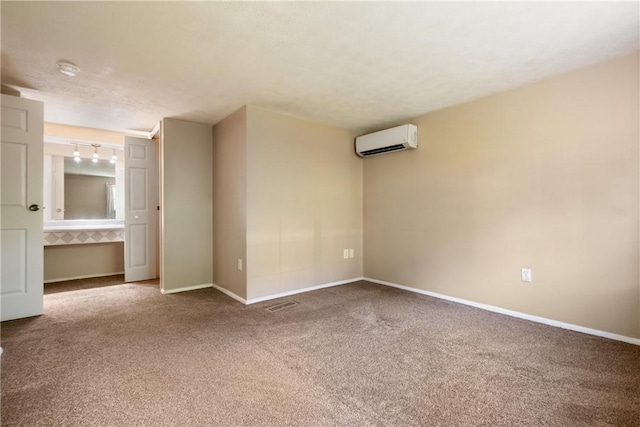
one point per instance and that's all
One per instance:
(76, 153)
(77, 159)
(94, 160)
(114, 158)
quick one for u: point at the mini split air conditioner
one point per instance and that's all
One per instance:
(385, 141)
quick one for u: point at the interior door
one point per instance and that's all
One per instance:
(140, 210)
(21, 238)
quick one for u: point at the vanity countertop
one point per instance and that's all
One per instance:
(83, 225)
(54, 228)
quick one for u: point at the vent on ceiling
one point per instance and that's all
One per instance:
(281, 306)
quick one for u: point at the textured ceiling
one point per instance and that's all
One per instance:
(358, 66)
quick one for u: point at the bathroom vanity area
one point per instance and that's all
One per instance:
(83, 229)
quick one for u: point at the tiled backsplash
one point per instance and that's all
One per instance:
(75, 237)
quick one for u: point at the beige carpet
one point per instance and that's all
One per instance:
(353, 355)
(96, 282)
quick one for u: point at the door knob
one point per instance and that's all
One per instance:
(34, 208)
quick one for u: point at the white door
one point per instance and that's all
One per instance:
(21, 239)
(140, 209)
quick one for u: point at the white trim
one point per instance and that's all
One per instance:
(186, 288)
(138, 133)
(90, 276)
(285, 294)
(154, 131)
(537, 319)
(229, 293)
(299, 291)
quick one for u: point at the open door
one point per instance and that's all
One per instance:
(140, 209)
(21, 238)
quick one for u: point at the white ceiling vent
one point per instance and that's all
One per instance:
(402, 137)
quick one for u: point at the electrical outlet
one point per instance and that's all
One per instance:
(350, 253)
(526, 274)
(239, 264)
(345, 253)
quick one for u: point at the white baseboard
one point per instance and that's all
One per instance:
(231, 294)
(537, 319)
(300, 291)
(186, 288)
(285, 294)
(90, 276)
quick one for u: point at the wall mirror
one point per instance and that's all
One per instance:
(83, 187)
(89, 189)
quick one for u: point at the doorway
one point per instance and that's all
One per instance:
(92, 249)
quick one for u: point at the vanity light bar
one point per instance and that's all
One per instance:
(96, 155)
(82, 143)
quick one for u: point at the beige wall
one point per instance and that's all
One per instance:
(304, 204)
(67, 262)
(544, 177)
(229, 202)
(186, 204)
(84, 134)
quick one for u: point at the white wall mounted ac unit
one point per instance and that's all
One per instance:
(398, 138)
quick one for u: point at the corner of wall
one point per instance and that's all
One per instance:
(229, 167)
